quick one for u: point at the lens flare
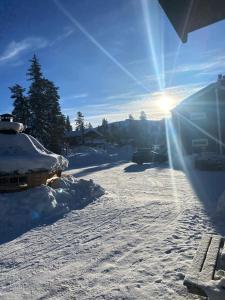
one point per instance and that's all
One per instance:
(165, 104)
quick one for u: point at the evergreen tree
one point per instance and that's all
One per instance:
(143, 116)
(55, 121)
(131, 117)
(47, 121)
(37, 100)
(90, 126)
(143, 138)
(105, 126)
(21, 109)
(68, 126)
(79, 121)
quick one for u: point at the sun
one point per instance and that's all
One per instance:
(165, 104)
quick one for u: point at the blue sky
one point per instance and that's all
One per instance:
(108, 58)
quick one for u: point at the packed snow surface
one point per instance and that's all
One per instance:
(21, 153)
(135, 242)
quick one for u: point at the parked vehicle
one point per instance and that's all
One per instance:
(209, 162)
(147, 155)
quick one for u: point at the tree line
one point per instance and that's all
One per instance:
(39, 108)
(139, 132)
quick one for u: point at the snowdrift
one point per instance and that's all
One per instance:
(22, 153)
(23, 210)
(87, 156)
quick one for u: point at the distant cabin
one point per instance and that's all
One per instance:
(92, 137)
(6, 118)
(199, 120)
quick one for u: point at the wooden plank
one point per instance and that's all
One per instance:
(191, 279)
(204, 264)
(208, 270)
(200, 255)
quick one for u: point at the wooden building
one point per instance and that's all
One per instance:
(91, 137)
(199, 120)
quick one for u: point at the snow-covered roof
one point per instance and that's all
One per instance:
(22, 153)
(11, 126)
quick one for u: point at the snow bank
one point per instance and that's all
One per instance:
(86, 156)
(21, 153)
(24, 209)
(215, 289)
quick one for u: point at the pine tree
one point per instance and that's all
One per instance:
(143, 116)
(34, 73)
(79, 121)
(143, 138)
(21, 109)
(55, 121)
(68, 126)
(105, 126)
(104, 129)
(130, 117)
(47, 121)
(90, 126)
(37, 100)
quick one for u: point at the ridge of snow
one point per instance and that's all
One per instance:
(24, 209)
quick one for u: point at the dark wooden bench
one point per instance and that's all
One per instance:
(204, 264)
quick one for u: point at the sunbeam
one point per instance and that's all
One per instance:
(165, 104)
(98, 45)
(170, 158)
(154, 28)
(177, 52)
(177, 158)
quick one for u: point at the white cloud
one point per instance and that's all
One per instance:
(15, 49)
(74, 96)
(149, 102)
(67, 32)
(215, 66)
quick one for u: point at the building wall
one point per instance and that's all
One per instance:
(200, 123)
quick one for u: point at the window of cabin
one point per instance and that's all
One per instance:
(200, 143)
(197, 116)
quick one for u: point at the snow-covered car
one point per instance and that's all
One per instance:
(147, 155)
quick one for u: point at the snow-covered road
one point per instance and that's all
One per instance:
(135, 242)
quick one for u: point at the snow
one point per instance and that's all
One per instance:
(215, 289)
(22, 210)
(134, 242)
(21, 153)
(88, 156)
